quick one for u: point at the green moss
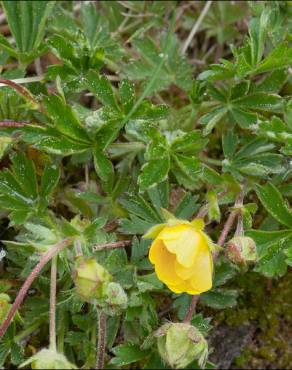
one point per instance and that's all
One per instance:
(267, 305)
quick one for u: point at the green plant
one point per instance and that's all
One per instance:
(144, 115)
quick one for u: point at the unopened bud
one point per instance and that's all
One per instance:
(179, 344)
(48, 359)
(89, 278)
(241, 250)
(4, 306)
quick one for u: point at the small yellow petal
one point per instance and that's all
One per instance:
(184, 241)
(164, 263)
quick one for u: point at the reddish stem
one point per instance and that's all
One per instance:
(35, 272)
(101, 340)
(13, 124)
(20, 89)
(192, 307)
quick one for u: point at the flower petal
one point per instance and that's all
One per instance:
(201, 279)
(184, 287)
(164, 263)
(184, 241)
(183, 272)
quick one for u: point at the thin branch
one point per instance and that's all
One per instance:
(101, 340)
(196, 27)
(119, 244)
(230, 221)
(53, 290)
(30, 279)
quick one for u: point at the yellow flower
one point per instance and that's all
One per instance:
(181, 254)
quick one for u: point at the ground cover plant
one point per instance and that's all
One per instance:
(145, 179)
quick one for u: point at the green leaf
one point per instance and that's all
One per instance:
(127, 95)
(189, 143)
(154, 172)
(264, 239)
(224, 271)
(229, 144)
(103, 90)
(103, 166)
(127, 354)
(24, 173)
(273, 263)
(159, 195)
(274, 203)
(26, 21)
(261, 101)
(148, 283)
(90, 20)
(279, 57)
(52, 141)
(187, 207)
(244, 118)
(219, 298)
(258, 28)
(212, 118)
(138, 206)
(19, 190)
(65, 119)
(189, 166)
(49, 180)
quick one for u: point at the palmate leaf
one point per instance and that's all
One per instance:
(81, 45)
(256, 159)
(242, 104)
(26, 20)
(176, 155)
(146, 211)
(20, 193)
(176, 70)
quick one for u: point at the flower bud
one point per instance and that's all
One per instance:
(89, 278)
(4, 306)
(48, 359)
(179, 344)
(241, 250)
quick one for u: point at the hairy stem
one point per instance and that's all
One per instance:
(53, 291)
(101, 340)
(191, 309)
(35, 272)
(119, 244)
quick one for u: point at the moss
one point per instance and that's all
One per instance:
(267, 305)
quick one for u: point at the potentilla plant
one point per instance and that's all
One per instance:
(145, 165)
